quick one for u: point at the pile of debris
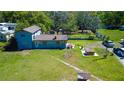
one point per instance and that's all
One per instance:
(70, 46)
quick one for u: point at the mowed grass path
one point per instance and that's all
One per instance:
(33, 65)
(114, 35)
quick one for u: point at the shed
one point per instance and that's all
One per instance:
(50, 41)
(32, 38)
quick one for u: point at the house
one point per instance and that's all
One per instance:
(7, 31)
(32, 38)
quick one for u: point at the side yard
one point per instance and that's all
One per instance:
(105, 68)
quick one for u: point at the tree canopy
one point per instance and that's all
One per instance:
(88, 20)
(63, 20)
(114, 18)
(66, 20)
(24, 19)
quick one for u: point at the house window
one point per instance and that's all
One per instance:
(10, 28)
(34, 37)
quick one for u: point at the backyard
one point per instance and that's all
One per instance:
(33, 65)
(42, 64)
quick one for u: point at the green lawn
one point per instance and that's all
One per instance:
(114, 35)
(2, 44)
(33, 65)
(80, 35)
(40, 65)
(106, 69)
(82, 42)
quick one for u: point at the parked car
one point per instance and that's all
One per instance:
(108, 44)
(119, 51)
(121, 28)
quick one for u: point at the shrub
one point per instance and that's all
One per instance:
(91, 37)
(11, 45)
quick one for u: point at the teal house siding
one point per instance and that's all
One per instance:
(31, 38)
(49, 44)
(24, 40)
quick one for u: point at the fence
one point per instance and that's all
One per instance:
(101, 36)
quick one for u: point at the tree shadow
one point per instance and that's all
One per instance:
(10, 46)
(99, 59)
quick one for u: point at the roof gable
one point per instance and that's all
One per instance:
(32, 29)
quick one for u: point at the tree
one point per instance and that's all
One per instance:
(28, 18)
(88, 21)
(11, 45)
(63, 20)
(1, 15)
(71, 23)
(59, 19)
(112, 18)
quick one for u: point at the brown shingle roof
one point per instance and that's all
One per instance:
(51, 37)
(32, 29)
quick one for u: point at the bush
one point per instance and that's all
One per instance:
(11, 45)
(91, 37)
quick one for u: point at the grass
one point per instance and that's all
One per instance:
(82, 42)
(106, 69)
(79, 35)
(39, 65)
(2, 44)
(114, 35)
(33, 65)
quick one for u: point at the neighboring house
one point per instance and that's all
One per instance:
(32, 38)
(7, 31)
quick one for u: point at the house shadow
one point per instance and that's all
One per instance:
(47, 49)
(19, 50)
